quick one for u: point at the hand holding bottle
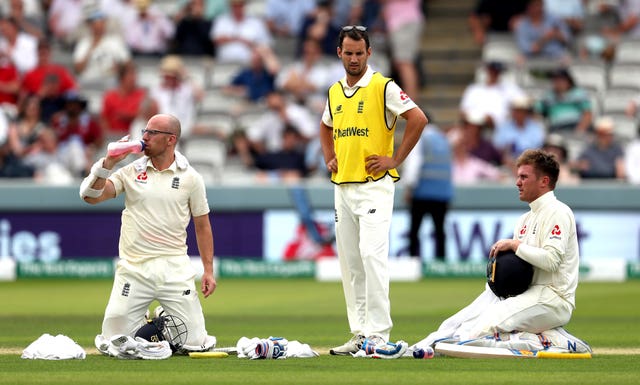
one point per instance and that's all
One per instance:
(124, 146)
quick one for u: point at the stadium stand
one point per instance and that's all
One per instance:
(450, 60)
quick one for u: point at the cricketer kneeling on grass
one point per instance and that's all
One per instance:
(162, 194)
(545, 237)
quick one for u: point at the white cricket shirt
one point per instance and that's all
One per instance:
(158, 207)
(550, 243)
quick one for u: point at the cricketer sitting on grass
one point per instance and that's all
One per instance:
(162, 194)
(544, 237)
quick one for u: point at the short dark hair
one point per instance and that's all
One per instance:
(355, 33)
(544, 164)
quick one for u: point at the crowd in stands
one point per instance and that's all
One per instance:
(253, 75)
(77, 74)
(553, 78)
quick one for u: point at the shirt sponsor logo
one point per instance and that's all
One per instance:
(350, 131)
(523, 230)
(142, 177)
(556, 232)
(404, 97)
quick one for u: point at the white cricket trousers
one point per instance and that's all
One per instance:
(536, 310)
(363, 218)
(170, 280)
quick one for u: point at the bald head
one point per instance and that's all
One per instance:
(167, 123)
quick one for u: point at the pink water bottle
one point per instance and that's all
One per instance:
(119, 148)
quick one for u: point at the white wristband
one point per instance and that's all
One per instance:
(85, 187)
(92, 193)
(98, 171)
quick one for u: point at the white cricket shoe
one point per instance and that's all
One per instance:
(561, 338)
(351, 346)
(102, 344)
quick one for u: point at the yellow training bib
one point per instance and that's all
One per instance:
(360, 129)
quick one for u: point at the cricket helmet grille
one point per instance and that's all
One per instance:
(168, 328)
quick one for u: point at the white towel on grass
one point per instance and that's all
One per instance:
(48, 347)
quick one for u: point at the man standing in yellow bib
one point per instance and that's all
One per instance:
(356, 132)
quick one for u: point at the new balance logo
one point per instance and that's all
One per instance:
(125, 289)
(371, 211)
(186, 292)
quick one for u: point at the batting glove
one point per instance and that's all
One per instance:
(390, 350)
(271, 348)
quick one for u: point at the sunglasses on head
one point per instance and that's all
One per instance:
(360, 28)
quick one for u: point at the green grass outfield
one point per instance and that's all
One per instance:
(607, 317)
